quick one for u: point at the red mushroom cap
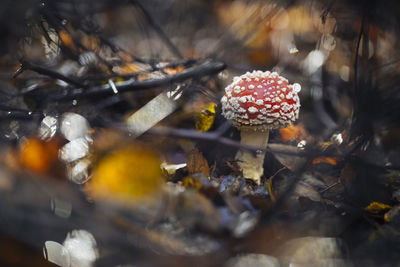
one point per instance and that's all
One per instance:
(261, 101)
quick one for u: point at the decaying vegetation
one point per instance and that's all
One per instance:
(114, 150)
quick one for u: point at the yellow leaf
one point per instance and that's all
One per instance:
(119, 79)
(377, 207)
(132, 172)
(271, 192)
(206, 117)
(189, 182)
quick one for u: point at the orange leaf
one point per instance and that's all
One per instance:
(39, 156)
(172, 71)
(66, 39)
(290, 133)
(328, 160)
(128, 68)
(91, 42)
(392, 214)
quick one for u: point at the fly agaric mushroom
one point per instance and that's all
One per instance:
(256, 103)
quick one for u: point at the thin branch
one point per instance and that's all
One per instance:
(185, 63)
(326, 11)
(158, 29)
(204, 69)
(216, 137)
(19, 115)
(47, 72)
(329, 187)
(356, 60)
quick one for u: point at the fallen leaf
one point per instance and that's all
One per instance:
(347, 175)
(270, 190)
(131, 172)
(39, 156)
(377, 207)
(176, 70)
(191, 182)
(206, 117)
(127, 68)
(91, 42)
(290, 133)
(66, 39)
(328, 160)
(196, 163)
(125, 56)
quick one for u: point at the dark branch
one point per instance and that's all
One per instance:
(204, 69)
(41, 70)
(217, 137)
(158, 29)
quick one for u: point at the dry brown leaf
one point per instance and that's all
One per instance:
(125, 56)
(66, 39)
(91, 42)
(347, 175)
(234, 167)
(128, 68)
(196, 163)
(107, 139)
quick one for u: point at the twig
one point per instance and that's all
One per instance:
(18, 115)
(216, 137)
(185, 63)
(329, 187)
(158, 29)
(356, 61)
(326, 11)
(41, 70)
(207, 68)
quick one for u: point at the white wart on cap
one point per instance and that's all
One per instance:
(261, 101)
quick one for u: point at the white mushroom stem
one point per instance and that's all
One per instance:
(252, 162)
